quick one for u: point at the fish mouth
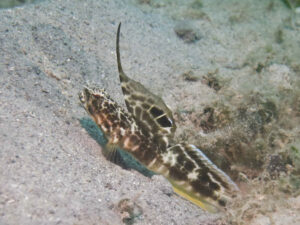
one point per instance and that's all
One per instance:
(82, 97)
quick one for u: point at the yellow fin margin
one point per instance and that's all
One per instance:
(203, 204)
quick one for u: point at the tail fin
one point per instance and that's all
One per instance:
(196, 178)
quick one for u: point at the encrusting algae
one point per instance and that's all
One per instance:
(146, 131)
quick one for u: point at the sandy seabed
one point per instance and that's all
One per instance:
(229, 70)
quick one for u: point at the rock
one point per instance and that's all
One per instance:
(187, 32)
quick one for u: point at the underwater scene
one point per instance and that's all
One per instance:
(150, 112)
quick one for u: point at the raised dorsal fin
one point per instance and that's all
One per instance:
(122, 75)
(148, 109)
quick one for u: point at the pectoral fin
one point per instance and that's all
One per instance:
(110, 152)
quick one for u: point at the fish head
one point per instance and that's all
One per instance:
(92, 99)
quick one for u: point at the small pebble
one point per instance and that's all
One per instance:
(187, 32)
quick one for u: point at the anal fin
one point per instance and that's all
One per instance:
(202, 204)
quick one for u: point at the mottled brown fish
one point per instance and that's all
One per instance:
(146, 131)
